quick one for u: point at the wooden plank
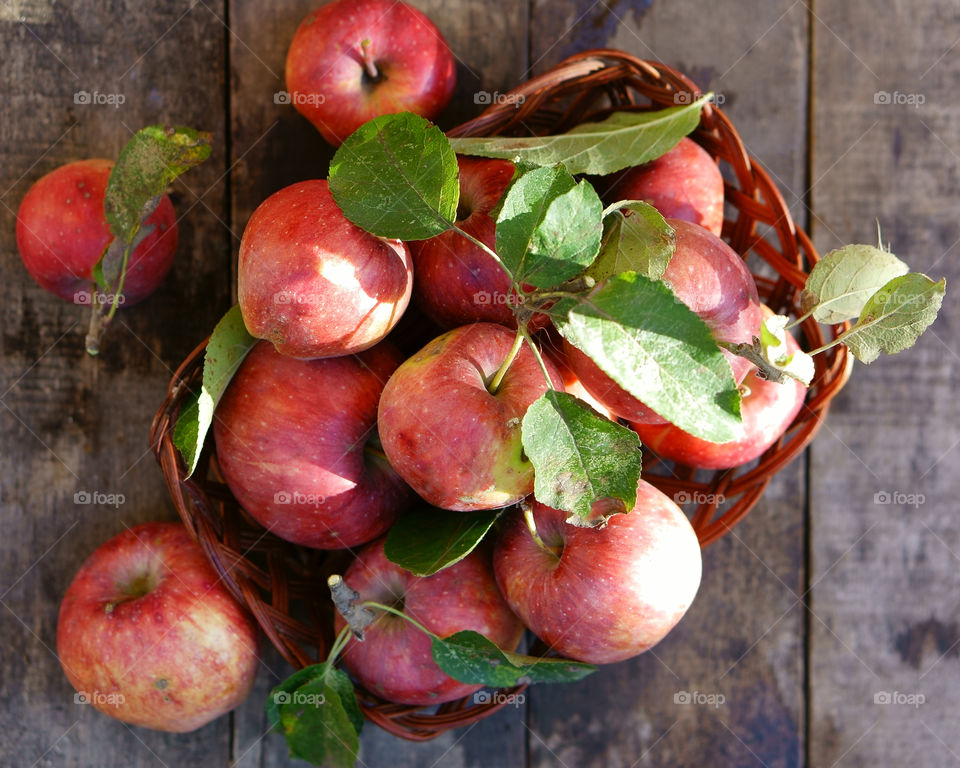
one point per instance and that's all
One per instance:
(68, 422)
(743, 637)
(885, 576)
(272, 146)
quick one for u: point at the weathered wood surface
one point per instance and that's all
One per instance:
(882, 579)
(885, 575)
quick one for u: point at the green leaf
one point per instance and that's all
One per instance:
(583, 463)
(396, 176)
(840, 283)
(622, 140)
(895, 316)
(636, 238)
(657, 349)
(228, 346)
(471, 658)
(316, 710)
(549, 227)
(153, 158)
(426, 540)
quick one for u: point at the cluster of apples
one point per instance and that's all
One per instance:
(326, 434)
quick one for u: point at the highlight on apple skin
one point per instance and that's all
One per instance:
(313, 283)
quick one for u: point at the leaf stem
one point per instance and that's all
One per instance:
(485, 248)
(537, 355)
(505, 365)
(338, 645)
(802, 317)
(397, 612)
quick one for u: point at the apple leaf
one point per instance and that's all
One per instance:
(840, 283)
(623, 139)
(396, 176)
(471, 658)
(657, 349)
(228, 346)
(895, 316)
(636, 238)
(153, 158)
(316, 710)
(583, 463)
(426, 540)
(549, 227)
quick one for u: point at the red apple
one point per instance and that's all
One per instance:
(62, 232)
(394, 660)
(353, 60)
(456, 443)
(296, 442)
(149, 634)
(455, 282)
(708, 276)
(767, 410)
(601, 595)
(685, 183)
(315, 284)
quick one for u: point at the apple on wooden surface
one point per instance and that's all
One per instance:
(296, 441)
(394, 660)
(149, 634)
(352, 60)
(62, 232)
(313, 283)
(450, 431)
(601, 595)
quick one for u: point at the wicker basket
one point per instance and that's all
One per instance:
(284, 586)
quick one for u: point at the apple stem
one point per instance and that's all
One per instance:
(367, 58)
(532, 527)
(358, 617)
(505, 366)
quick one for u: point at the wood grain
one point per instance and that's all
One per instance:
(885, 575)
(69, 423)
(742, 639)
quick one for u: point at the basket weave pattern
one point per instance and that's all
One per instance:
(284, 585)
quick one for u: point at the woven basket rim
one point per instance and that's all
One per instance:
(583, 80)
